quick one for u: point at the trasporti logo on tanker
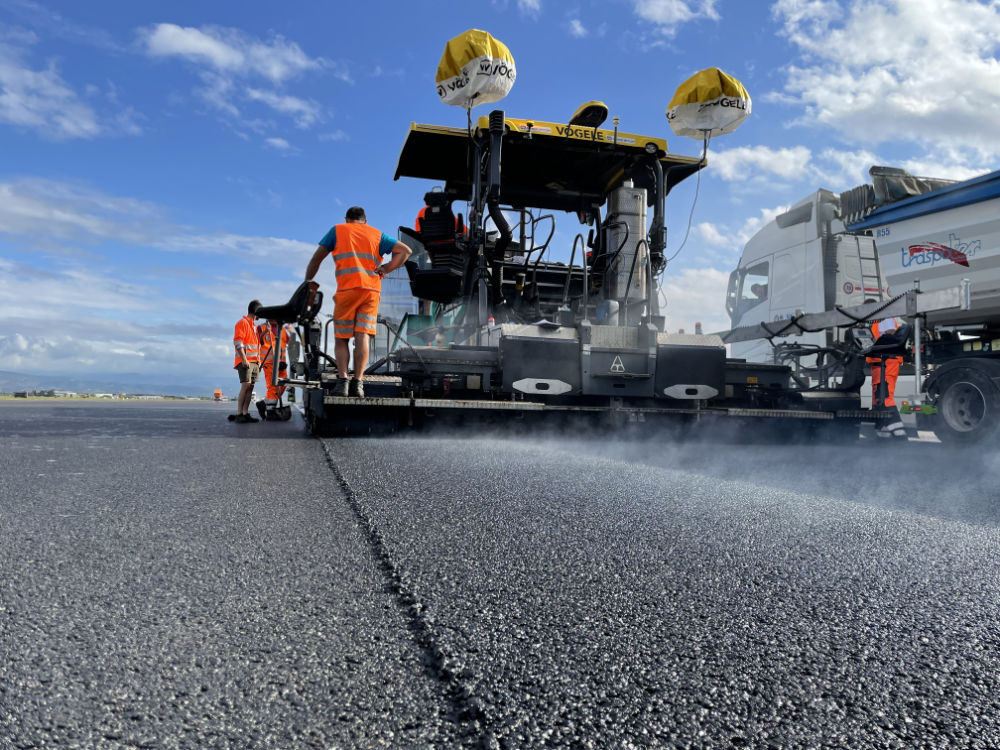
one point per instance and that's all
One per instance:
(932, 253)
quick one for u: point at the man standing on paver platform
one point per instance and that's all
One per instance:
(357, 251)
(247, 364)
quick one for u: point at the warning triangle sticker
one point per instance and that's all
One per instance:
(617, 365)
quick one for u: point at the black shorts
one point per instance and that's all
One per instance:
(248, 374)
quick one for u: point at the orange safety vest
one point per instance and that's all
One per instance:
(246, 334)
(356, 256)
(267, 341)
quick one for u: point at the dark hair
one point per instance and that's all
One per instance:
(252, 307)
(354, 213)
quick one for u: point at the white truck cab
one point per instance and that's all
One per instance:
(802, 261)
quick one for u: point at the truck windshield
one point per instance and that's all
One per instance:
(748, 287)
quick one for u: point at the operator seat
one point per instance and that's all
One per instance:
(438, 226)
(296, 310)
(439, 231)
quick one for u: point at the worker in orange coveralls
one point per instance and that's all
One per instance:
(893, 425)
(266, 334)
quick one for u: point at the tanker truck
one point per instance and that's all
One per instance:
(801, 285)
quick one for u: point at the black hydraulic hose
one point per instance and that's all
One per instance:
(569, 274)
(544, 246)
(871, 315)
(505, 233)
(623, 243)
(652, 303)
(631, 271)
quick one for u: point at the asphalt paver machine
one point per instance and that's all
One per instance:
(536, 268)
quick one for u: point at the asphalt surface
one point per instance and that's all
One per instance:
(168, 579)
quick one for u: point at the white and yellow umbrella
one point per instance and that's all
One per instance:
(475, 69)
(707, 104)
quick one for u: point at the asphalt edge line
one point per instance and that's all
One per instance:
(468, 708)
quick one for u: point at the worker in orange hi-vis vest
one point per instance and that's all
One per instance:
(357, 251)
(267, 334)
(247, 363)
(892, 426)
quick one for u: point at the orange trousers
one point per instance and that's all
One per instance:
(891, 374)
(273, 392)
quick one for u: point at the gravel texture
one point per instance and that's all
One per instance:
(168, 579)
(172, 580)
(588, 595)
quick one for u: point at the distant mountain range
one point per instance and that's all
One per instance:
(134, 383)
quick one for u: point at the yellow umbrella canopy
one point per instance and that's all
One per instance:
(707, 104)
(475, 69)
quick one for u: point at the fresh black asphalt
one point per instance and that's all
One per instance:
(169, 579)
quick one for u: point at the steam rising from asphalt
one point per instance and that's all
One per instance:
(926, 477)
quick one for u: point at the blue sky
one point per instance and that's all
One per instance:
(163, 163)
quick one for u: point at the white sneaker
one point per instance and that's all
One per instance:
(892, 430)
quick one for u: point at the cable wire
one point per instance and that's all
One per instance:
(694, 202)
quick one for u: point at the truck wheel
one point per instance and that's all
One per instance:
(968, 407)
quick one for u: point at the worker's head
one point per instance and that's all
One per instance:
(252, 307)
(356, 214)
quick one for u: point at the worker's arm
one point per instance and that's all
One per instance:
(238, 342)
(313, 268)
(400, 254)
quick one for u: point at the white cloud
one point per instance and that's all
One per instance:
(63, 210)
(281, 145)
(108, 314)
(335, 135)
(711, 234)
(833, 169)
(732, 237)
(69, 291)
(839, 170)
(304, 112)
(225, 57)
(744, 162)
(531, 7)
(59, 26)
(240, 246)
(668, 15)
(42, 100)
(922, 71)
(98, 346)
(229, 50)
(753, 224)
(577, 29)
(217, 92)
(696, 295)
(946, 170)
(39, 209)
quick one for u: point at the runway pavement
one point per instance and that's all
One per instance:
(168, 579)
